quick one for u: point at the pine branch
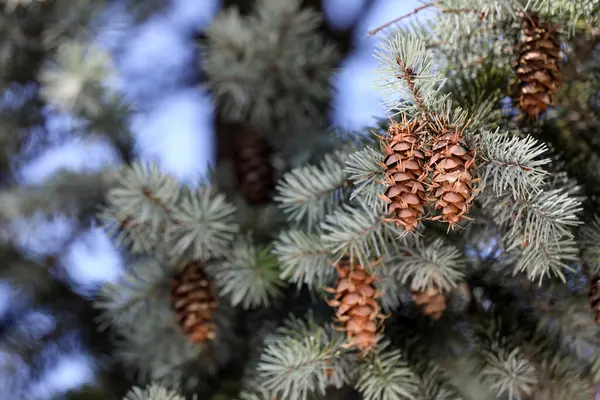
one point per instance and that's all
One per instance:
(138, 310)
(508, 373)
(150, 211)
(249, 276)
(304, 259)
(421, 265)
(74, 81)
(512, 163)
(387, 376)
(311, 192)
(296, 358)
(590, 245)
(270, 68)
(357, 233)
(364, 170)
(407, 72)
(504, 367)
(152, 392)
(67, 192)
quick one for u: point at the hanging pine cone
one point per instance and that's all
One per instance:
(431, 301)
(357, 308)
(194, 303)
(451, 185)
(404, 174)
(538, 66)
(594, 296)
(253, 168)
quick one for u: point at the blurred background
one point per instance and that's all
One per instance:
(157, 68)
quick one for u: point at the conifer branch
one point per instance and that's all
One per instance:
(249, 276)
(304, 259)
(150, 211)
(152, 392)
(310, 192)
(364, 170)
(387, 376)
(407, 78)
(357, 233)
(296, 357)
(422, 265)
(512, 163)
(590, 245)
(67, 192)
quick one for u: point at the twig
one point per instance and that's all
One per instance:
(413, 12)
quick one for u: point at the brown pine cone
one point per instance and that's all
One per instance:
(253, 167)
(594, 296)
(451, 185)
(358, 310)
(193, 303)
(537, 68)
(405, 173)
(432, 302)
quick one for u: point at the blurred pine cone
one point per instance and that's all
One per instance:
(194, 303)
(253, 167)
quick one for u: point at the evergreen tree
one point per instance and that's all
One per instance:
(449, 252)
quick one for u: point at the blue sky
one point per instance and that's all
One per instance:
(176, 131)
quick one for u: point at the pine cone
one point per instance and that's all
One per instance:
(538, 66)
(451, 185)
(194, 303)
(594, 296)
(357, 308)
(253, 168)
(432, 302)
(405, 173)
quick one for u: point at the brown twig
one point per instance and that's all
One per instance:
(420, 8)
(396, 20)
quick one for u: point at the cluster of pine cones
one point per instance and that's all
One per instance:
(417, 172)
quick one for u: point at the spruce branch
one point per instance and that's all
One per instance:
(387, 376)
(138, 309)
(310, 192)
(513, 163)
(150, 210)
(152, 392)
(590, 245)
(296, 358)
(358, 233)
(304, 259)
(249, 276)
(541, 224)
(204, 225)
(132, 298)
(66, 192)
(364, 170)
(270, 68)
(74, 81)
(422, 265)
(508, 373)
(407, 71)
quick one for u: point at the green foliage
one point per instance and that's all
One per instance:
(151, 212)
(270, 68)
(304, 259)
(311, 192)
(297, 355)
(152, 392)
(387, 376)
(249, 276)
